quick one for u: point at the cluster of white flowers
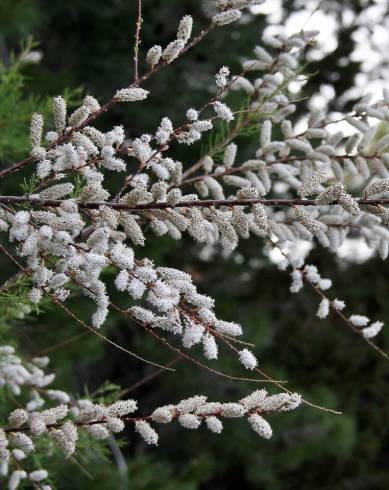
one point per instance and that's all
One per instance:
(312, 184)
(16, 374)
(28, 381)
(367, 331)
(231, 10)
(35, 477)
(32, 420)
(191, 412)
(173, 49)
(157, 197)
(62, 422)
(99, 421)
(312, 276)
(179, 309)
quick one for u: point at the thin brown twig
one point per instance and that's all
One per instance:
(127, 314)
(266, 376)
(64, 343)
(204, 203)
(337, 312)
(78, 320)
(165, 147)
(105, 107)
(137, 40)
(96, 332)
(343, 317)
(183, 354)
(126, 418)
(149, 377)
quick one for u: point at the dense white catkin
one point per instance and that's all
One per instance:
(38, 475)
(338, 304)
(36, 128)
(228, 328)
(37, 424)
(57, 191)
(254, 400)
(359, 320)
(324, 308)
(97, 431)
(17, 418)
(305, 218)
(115, 425)
(147, 433)
(173, 50)
(377, 187)
(189, 421)
(372, 330)
(260, 426)
(312, 183)
(92, 103)
(22, 441)
(260, 216)
(15, 479)
(297, 281)
(132, 94)
(232, 410)
(154, 55)
(79, 116)
(185, 28)
(248, 359)
(59, 113)
(221, 77)
(18, 454)
(162, 415)
(122, 407)
(223, 111)
(214, 424)
(210, 347)
(226, 17)
(230, 155)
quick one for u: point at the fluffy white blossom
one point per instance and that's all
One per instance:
(214, 424)
(260, 426)
(189, 421)
(147, 433)
(36, 128)
(248, 359)
(324, 308)
(132, 94)
(223, 111)
(185, 28)
(359, 320)
(173, 50)
(372, 330)
(226, 17)
(154, 55)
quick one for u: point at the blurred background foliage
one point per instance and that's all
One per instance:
(87, 47)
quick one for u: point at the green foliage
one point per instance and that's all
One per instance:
(17, 18)
(17, 106)
(29, 184)
(15, 305)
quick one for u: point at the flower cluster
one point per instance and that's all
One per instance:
(304, 183)
(61, 423)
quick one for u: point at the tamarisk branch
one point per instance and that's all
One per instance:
(206, 203)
